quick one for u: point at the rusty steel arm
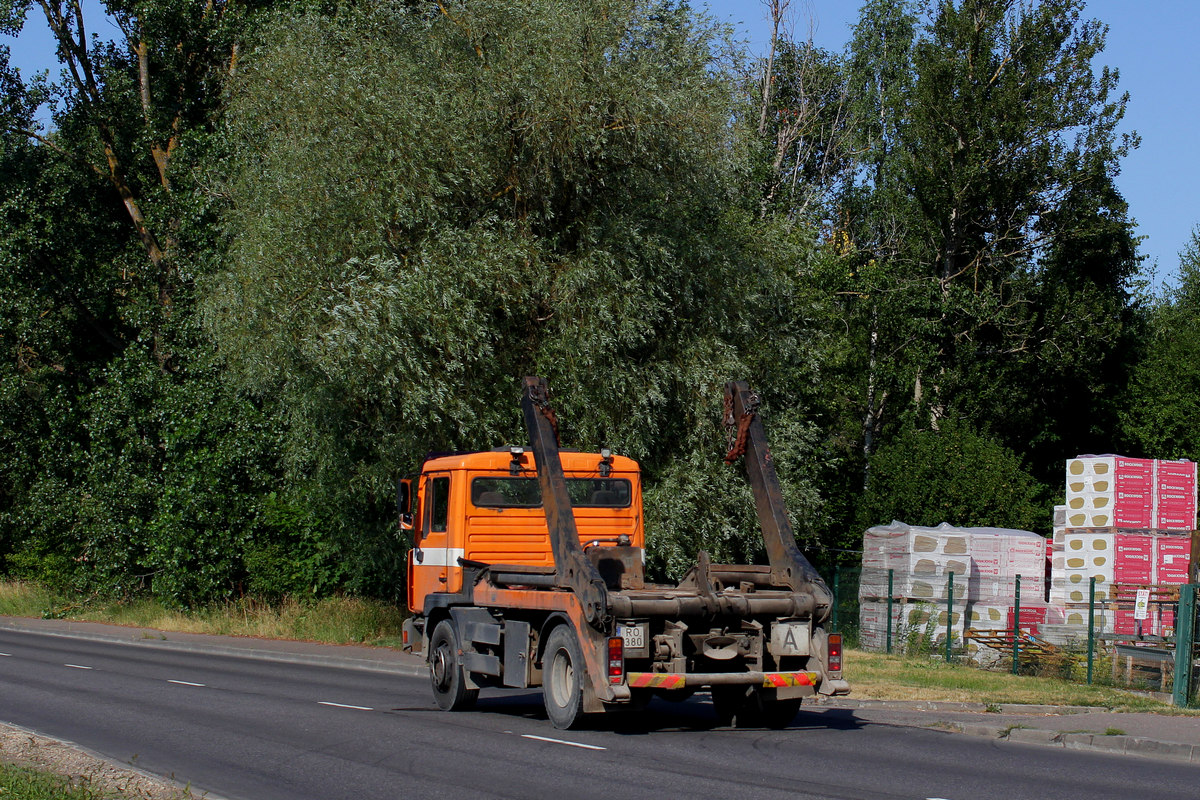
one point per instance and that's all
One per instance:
(573, 569)
(789, 567)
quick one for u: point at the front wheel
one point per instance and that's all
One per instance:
(447, 676)
(562, 678)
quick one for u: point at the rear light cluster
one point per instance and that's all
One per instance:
(616, 659)
(833, 660)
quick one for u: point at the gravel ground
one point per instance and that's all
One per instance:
(26, 749)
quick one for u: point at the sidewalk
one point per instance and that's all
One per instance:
(1161, 736)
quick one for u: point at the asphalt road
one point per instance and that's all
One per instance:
(256, 730)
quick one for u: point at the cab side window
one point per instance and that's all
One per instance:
(439, 504)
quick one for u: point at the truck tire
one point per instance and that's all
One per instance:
(562, 678)
(746, 707)
(449, 682)
(778, 714)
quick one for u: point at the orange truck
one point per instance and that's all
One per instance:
(527, 570)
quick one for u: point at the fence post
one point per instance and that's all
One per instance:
(1185, 633)
(837, 598)
(1016, 630)
(949, 611)
(891, 575)
(1091, 626)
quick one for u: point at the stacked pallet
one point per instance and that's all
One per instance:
(1125, 523)
(1131, 493)
(1113, 556)
(920, 560)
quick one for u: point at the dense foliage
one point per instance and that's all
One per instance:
(268, 254)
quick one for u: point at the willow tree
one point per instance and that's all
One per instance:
(447, 197)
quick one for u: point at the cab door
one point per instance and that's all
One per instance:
(432, 556)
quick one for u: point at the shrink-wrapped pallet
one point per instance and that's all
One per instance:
(920, 560)
(1130, 493)
(1110, 491)
(999, 555)
(914, 623)
(984, 562)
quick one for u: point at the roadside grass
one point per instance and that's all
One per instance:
(19, 783)
(23, 783)
(334, 620)
(19, 599)
(892, 677)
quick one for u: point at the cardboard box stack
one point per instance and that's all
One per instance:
(985, 563)
(1127, 521)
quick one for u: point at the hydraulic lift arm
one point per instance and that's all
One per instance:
(789, 567)
(573, 569)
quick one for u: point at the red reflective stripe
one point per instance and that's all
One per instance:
(676, 680)
(656, 680)
(780, 679)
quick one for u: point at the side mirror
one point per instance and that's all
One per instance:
(404, 503)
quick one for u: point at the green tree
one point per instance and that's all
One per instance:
(986, 253)
(952, 475)
(446, 200)
(1159, 408)
(129, 463)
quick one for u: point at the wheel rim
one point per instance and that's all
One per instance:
(441, 671)
(563, 684)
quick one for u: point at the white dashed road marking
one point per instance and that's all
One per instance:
(184, 683)
(77, 666)
(343, 705)
(562, 741)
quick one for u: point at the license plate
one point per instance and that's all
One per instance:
(634, 636)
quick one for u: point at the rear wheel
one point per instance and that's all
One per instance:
(449, 682)
(639, 699)
(562, 678)
(778, 714)
(747, 707)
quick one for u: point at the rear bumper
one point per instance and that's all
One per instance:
(695, 680)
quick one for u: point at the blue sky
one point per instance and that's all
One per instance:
(1154, 45)
(1152, 42)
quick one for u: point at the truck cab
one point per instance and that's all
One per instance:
(486, 507)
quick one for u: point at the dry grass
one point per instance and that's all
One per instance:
(19, 599)
(336, 620)
(883, 677)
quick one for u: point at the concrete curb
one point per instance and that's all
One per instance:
(939, 706)
(1095, 742)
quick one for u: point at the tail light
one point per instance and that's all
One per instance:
(616, 659)
(833, 659)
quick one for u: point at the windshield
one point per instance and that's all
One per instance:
(525, 493)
